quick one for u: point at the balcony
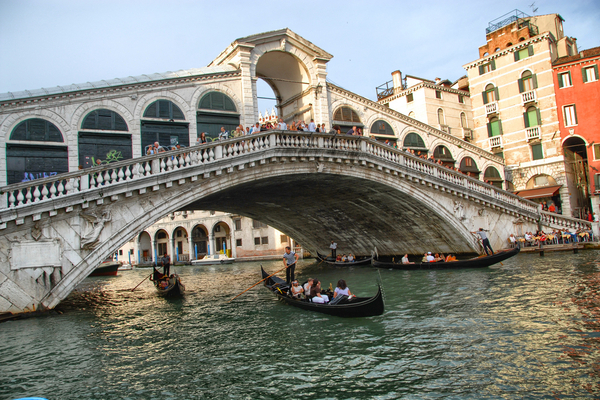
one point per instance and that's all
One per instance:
(495, 141)
(529, 97)
(533, 133)
(445, 128)
(467, 133)
(491, 108)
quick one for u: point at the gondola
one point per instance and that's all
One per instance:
(330, 261)
(356, 307)
(478, 262)
(167, 285)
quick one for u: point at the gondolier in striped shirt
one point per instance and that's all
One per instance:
(289, 261)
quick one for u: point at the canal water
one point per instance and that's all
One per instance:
(529, 328)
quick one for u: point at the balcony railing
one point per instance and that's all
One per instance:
(491, 108)
(445, 128)
(533, 133)
(529, 97)
(495, 141)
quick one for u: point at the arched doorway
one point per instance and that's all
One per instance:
(200, 241)
(181, 244)
(492, 176)
(442, 153)
(162, 243)
(164, 122)
(38, 151)
(469, 167)
(414, 143)
(145, 248)
(345, 117)
(382, 131)
(103, 138)
(221, 233)
(216, 110)
(575, 152)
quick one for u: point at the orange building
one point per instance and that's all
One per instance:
(577, 91)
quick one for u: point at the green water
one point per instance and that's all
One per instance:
(527, 329)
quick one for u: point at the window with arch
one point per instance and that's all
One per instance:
(37, 130)
(440, 116)
(217, 101)
(469, 167)
(346, 114)
(527, 82)
(411, 114)
(443, 153)
(414, 141)
(487, 67)
(494, 127)
(165, 109)
(463, 120)
(104, 119)
(492, 176)
(532, 117)
(509, 44)
(490, 94)
(381, 127)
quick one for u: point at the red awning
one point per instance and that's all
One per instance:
(546, 191)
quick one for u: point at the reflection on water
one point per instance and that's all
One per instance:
(529, 328)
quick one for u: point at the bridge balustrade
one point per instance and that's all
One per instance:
(27, 193)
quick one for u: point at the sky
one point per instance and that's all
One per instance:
(45, 43)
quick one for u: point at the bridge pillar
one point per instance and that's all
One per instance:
(211, 244)
(153, 255)
(172, 250)
(191, 247)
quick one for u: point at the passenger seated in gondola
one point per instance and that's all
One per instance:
(450, 257)
(338, 258)
(350, 257)
(405, 260)
(315, 293)
(430, 258)
(164, 284)
(341, 289)
(296, 290)
(344, 258)
(307, 288)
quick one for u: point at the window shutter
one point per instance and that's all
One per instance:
(525, 119)
(539, 116)
(530, 50)
(584, 74)
(560, 81)
(575, 114)
(493, 64)
(534, 79)
(570, 79)
(489, 128)
(516, 54)
(481, 70)
(500, 127)
(596, 71)
(521, 88)
(484, 95)
(496, 92)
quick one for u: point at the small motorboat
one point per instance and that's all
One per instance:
(354, 307)
(213, 259)
(477, 262)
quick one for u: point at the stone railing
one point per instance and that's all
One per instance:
(22, 195)
(533, 133)
(560, 221)
(495, 141)
(529, 97)
(491, 108)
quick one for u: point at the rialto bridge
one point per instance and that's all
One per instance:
(79, 185)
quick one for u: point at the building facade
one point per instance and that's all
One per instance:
(515, 110)
(578, 101)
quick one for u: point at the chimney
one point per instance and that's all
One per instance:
(437, 81)
(397, 80)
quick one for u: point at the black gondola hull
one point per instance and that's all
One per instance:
(480, 262)
(358, 307)
(364, 261)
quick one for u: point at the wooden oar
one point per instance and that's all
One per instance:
(262, 280)
(142, 281)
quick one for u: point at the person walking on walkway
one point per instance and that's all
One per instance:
(484, 241)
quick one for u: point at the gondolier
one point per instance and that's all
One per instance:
(289, 261)
(333, 247)
(484, 241)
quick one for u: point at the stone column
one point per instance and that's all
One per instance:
(172, 250)
(192, 250)
(152, 251)
(211, 244)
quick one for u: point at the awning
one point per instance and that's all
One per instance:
(546, 191)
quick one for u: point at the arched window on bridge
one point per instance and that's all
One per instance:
(162, 243)
(382, 131)
(469, 167)
(199, 240)
(346, 118)
(45, 154)
(443, 154)
(413, 141)
(164, 122)
(492, 176)
(100, 139)
(216, 110)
